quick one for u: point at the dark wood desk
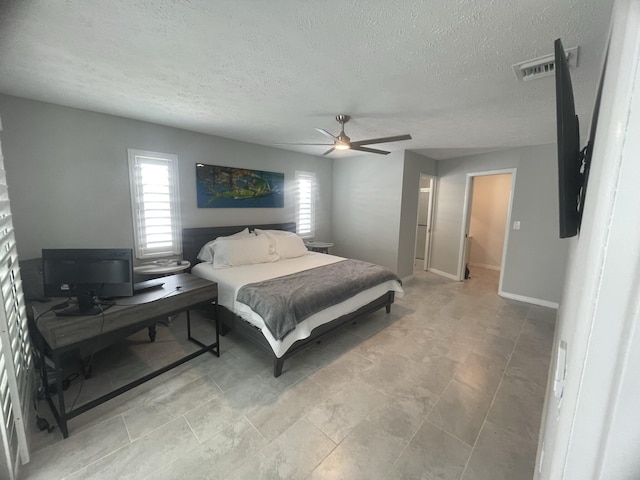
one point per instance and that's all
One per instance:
(180, 293)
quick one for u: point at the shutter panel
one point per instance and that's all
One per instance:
(305, 206)
(16, 375)
(154, 200)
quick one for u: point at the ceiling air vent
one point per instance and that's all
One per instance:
(543, 66)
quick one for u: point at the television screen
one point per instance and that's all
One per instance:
(570, 177)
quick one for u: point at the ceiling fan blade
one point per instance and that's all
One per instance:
(371, 141)
(324, 132)
(325, 144)
(328, 151)
(369, 150)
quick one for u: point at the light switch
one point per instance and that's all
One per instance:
(516, 225)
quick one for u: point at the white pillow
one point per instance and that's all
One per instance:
(206, 252)
(246, 250)
(286, 244)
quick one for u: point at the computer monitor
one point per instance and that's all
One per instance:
(87, 274)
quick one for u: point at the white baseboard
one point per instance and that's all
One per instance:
(484, 265)
(443, 274)
(534, 301)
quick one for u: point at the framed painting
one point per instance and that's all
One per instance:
(229, 187)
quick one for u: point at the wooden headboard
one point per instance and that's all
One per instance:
(194, 238)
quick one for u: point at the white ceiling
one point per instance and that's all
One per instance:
(270, 71)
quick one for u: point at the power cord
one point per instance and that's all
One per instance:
(42, 423)
(87, 370)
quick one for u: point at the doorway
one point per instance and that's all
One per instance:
(486, 222)
(426, 194)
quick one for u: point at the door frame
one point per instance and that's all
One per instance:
(466, 219)
(430, 217)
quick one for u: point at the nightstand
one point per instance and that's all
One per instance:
(159, 268)
(321, 247)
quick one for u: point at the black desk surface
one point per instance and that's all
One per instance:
(179, 293)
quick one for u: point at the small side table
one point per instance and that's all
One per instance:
(161, 268)
(320, 247)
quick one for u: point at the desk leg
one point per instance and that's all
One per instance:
(152, 332)
(216, 352)
(217, 323)
(60, 412)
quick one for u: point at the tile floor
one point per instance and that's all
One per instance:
(450, 385)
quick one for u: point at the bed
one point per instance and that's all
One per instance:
(241, 280)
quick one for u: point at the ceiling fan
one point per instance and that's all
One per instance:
(343, 142)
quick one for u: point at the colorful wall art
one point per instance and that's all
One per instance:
(229, 187)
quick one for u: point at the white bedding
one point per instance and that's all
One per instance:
(230, 280)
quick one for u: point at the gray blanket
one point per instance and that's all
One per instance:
(284, 302)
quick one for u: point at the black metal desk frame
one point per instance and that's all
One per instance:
(60, 413)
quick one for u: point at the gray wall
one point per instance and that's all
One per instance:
(69, 183)
(375, 207)
(367, 194)
(536, 257)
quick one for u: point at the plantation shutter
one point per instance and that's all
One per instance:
(155, 203)
(16, 376)
(305, 206)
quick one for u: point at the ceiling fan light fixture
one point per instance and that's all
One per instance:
(343, 142)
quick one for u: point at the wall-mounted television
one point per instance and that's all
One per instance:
(573, 162)
(87, 274)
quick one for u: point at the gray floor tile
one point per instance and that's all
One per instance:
(481, 372)
(367, 453)
(291, 456)
(434, 373)
(144, 456)
(272, 417)
(431, 454)
(387, 371)
(343, 410)
(461, 411)
(400, 416)
(216, 458)
(529, 367)
(344, 369)
(157, 411)
(377, 346)
(78, 451)
(500, 455)
(517, 407)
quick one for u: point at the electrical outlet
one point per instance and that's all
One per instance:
(516, 225)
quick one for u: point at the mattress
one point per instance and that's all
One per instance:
(231, 279)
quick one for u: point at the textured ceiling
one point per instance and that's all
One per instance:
(270, 71)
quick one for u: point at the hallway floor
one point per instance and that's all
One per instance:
(450, 385)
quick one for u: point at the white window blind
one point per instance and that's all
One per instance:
(16, 377)
(305, 204)
(155, 203)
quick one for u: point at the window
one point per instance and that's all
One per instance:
(305, 203)
(155, 205)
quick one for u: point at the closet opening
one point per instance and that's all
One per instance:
(487, 217)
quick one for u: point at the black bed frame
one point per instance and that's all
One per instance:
(192, 241)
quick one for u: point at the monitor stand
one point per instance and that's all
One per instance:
(86, 306)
